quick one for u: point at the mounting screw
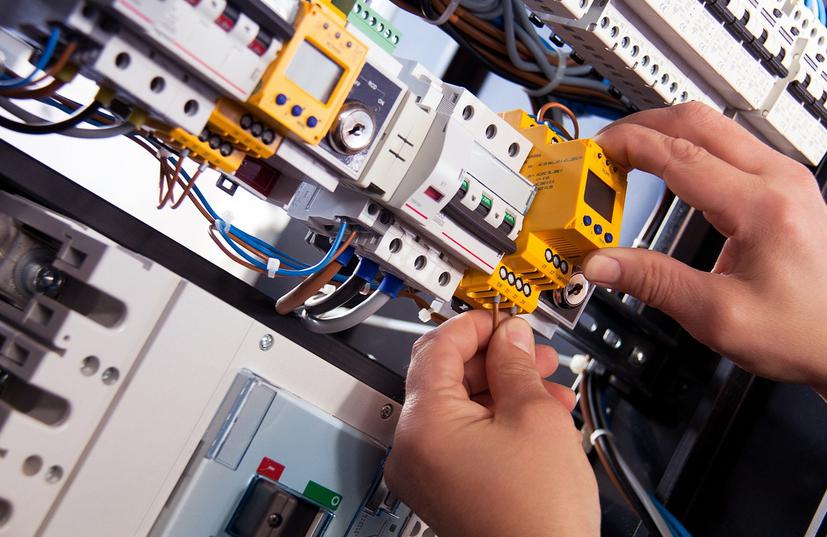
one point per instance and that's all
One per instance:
(386, 412)
(266, 342)
(49, 281)
(274, 520)
(637, 357)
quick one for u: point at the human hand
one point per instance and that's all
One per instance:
(765, 302)
(484, 446)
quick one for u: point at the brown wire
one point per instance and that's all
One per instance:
(313, 283)
(229, 254)
(187, 188)
(51, 72)
(422, 304)
(541, 114)
(171, 180)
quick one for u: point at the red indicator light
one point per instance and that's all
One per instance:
(433, 193)
(270, 469)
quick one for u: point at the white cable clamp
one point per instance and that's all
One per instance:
(273, 265)
(598, 433)
(425, 315)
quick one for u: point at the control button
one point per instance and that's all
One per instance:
(268, 137)
(609, 238)
(281, 99)
(555, 260)
(587, 220)
(519, 284)
(564, 266)
(549, 255)
(312, 121)
(598, 229)
(296, 110)
(503, 270)
(246, 121)
(256, 129)
(527, 290)
(511, 278)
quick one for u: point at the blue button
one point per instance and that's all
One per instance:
(281, 99)
(609, 238)
(312, 121)
(598, 229)
(296, 110)
(587, 220)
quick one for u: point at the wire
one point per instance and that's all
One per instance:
(228, 253)
(348, 319)
(45, 58)
(313, 283)
(617, 469)
(74, 132)
(349, 289)
(495, 312)
(541, 114)
(52, 128)
(677, 527)
(52, 72)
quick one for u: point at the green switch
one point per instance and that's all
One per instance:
(485, 201)
(323, 496)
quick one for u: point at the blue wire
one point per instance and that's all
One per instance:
(246, 237)
(45, 58)
(822, 12)
(673, 522)
(282, 272)
(808, 3)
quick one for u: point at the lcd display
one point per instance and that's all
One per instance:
(600, 196)
(314, 72)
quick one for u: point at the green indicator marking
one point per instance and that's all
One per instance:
(321, 495)
(509, 219)
(485, 201)
(464, 185)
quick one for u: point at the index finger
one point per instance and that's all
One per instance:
(715, 132)
(438, 358)
(703, 180)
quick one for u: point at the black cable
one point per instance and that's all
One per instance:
(605, 444)
(319, 305)
(51, 128)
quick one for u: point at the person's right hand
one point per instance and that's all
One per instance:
(764, 305)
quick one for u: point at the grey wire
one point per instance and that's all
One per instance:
(511, 40)
(658, 519)
(74, 132)
(349, 319)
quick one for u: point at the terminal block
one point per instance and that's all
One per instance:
(480, 290)
(255, 135)
(207, 147)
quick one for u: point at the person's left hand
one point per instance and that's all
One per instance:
(485, 447)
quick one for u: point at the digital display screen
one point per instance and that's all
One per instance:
(314, 72)
(600, 196)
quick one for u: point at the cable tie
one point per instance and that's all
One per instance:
(273, 265)
(598, 433)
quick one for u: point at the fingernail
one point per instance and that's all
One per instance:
(602, 269)
(520, 335)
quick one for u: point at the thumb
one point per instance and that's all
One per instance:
(510, 366)
(685, 294)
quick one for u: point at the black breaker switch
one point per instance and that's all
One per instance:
(267, 510)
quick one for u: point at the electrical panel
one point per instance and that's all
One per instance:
(762, 61)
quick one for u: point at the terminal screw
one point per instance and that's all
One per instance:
(386, 412)
(266, 342)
